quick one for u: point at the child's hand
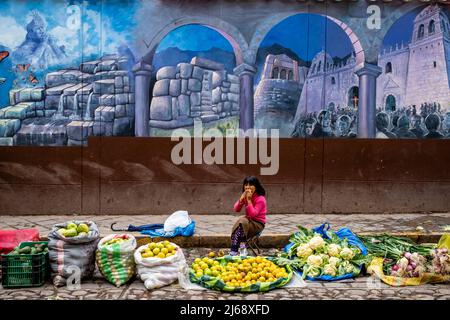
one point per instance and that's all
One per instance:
(243, 197)
(249, 195)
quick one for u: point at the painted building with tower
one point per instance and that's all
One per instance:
(329, 85)
(278, 93)
(418, 72)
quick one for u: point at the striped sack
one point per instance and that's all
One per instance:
(116, 261)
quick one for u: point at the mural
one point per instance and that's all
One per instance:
(103, 68)
(306, 78)
(66, 72)
(194, 80)
(413, 91)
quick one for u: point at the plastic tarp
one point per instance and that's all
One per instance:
(9, 239)
(343, 233)
(157, 230)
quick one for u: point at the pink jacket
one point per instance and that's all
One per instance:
(256, 210)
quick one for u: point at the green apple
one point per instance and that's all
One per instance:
(82, 227)
(71, 226)
(71, 233)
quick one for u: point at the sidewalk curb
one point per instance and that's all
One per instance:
(265, 241)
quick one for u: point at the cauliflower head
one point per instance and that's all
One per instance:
(316, 242)
(314, 260)
(329, 270)
(347, 254)
(304, 251)
(334, 250)
(334, 261)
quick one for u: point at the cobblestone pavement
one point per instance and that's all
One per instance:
(213, 225)
(354, 289)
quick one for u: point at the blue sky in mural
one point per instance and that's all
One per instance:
(105, 24)
(80, 30)
(308, 34)
(186, 42)
(402, 29)
(196, 38)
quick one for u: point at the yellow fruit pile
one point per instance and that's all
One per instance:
(239, 273)
(161, 250)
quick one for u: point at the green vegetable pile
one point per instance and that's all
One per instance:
(393, 248)
(316, 256)
(35, 249)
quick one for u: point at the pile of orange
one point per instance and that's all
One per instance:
(239, 273)
(161, 250)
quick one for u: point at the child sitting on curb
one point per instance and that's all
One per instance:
(253, 198)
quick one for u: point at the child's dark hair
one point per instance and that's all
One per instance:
(253, 181)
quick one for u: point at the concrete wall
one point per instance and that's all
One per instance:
(122, 175)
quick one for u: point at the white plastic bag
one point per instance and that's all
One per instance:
(177, 219)
(158, 272)
(296, 282)
(184, 282)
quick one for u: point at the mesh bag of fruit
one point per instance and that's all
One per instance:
(71, 247)
(115, 258)
(159, 263)
(239, 274)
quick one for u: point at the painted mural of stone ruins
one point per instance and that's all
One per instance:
(200, 90)
(97, 98)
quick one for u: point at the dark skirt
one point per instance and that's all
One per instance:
(251, 227)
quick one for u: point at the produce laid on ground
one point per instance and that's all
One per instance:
(399, 261)
(115, 258)
(158, 264)
(213, 254)
(319, 254)
(71, 247)
(239, 274)
(316, 254)
(74, 230)
(393, 248)
(441, 261)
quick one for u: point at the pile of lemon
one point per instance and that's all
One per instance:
(239, 273)
(161, 250)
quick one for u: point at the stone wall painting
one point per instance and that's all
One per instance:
(65, 71)
(72, 69)
(304, 79)
(413, 90)
(193, 80)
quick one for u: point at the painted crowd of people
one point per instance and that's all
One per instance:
(428, 121)
(331, 123)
